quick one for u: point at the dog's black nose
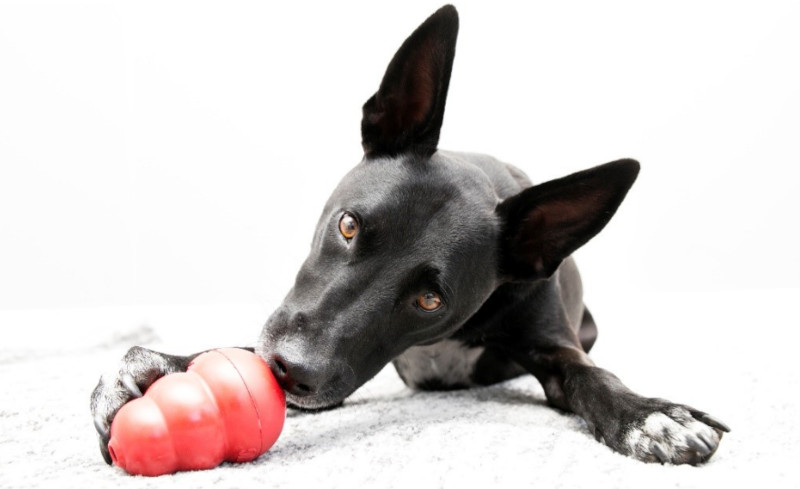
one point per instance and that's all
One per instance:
(294, 377)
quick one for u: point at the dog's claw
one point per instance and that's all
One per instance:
(697, 445)
(713, 422)
(104, 452)
(100, 426)
(659, 452)
(130, 384)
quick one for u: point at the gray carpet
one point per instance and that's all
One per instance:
(733, 357)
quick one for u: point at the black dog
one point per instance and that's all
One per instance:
(453, 267)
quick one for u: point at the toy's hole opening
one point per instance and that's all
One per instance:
(113, 455)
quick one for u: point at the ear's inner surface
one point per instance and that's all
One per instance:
(405, 114)
(546, 223)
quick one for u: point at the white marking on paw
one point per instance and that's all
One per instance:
(670, 431)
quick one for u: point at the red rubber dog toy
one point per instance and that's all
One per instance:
(226, 407)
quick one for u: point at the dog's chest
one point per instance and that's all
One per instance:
(448, 364)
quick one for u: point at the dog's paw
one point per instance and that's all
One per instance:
(674, 434)
(137, 370)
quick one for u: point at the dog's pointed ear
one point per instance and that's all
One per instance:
(405, 114)
(544, 224)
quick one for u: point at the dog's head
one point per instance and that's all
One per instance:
(411, 243)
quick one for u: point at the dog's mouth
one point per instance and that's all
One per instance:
(330, 397)
(313, 404)
(339, 383)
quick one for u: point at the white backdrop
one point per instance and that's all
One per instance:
(161, 153)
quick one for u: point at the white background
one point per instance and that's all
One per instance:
(178, 153)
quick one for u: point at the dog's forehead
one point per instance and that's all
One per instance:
(407, 185)
(430, 209)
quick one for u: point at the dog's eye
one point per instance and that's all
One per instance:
(348, 226)
(429, 301)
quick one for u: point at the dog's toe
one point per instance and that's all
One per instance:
(673, 436)
(696, 443)
(130, 384)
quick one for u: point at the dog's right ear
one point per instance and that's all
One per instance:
(405, 114)
(544, 224)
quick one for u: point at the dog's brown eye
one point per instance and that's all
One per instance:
(348, 226)
(429, 301)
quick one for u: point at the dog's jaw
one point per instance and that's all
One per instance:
(314, 403)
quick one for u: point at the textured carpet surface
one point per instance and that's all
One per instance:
(732, 358)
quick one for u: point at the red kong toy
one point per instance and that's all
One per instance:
(226, 407)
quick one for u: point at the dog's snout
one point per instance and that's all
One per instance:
(299, 320)
(294, 377)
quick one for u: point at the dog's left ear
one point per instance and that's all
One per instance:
(405, 114)
(544, 224)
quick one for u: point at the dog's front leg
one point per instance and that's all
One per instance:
(542, 226)
(649, 429)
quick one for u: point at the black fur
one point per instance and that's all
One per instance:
(473, 232)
